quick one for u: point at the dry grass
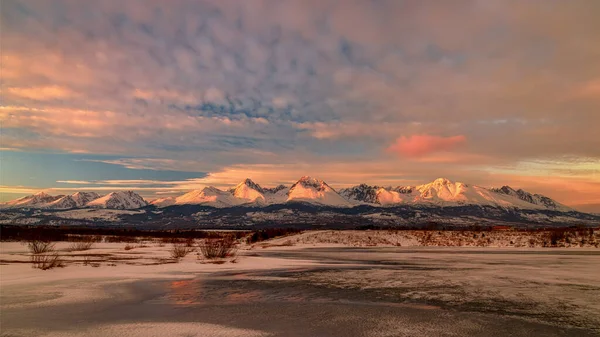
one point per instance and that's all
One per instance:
(40, 246)
(80, 246)
(47, 261)
(218, 248)
(179, 250)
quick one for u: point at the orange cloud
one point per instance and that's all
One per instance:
(589, 89)
(42, 93)
(420, 145)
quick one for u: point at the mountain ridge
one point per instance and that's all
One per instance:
(440, 192)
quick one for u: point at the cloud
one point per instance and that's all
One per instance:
(590, 89)
(213, 95)
(42, 93)
(421, 145)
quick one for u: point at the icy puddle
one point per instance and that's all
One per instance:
(348, 292)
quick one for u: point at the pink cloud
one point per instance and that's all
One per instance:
(420, 145)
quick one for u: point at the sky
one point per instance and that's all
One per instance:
(162, 97)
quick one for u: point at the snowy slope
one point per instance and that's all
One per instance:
(82, 198)
(163, 202)
(35, 200)
(210, 196)
(276, 195)
(389, 196)
(75, 200)
(119, 200)
(249, 191)
(535, 199)
(312, 190)
(443, 192)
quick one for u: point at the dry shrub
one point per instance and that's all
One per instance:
(180, 250)
(81, 245)
(128, 247)
(218, 248)
(47, 261)
(189, 242)
(40, 246)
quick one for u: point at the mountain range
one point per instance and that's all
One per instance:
(113, 200)
(438, 193)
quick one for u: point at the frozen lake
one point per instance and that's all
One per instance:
(341, 292)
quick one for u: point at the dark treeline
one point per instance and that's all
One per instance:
(266, 234)
(53, 233)
(71, 233)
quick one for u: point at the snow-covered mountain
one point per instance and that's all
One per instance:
(362, 193)
(536, 199)
(438, 193)
(119, 200)
(209, 196)
(443, 192)
(245, 193)
(163, 202)
(34, 201)
(250, 191)
(75, 200)
(313, 190)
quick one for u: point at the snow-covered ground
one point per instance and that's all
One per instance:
(584, 238)
(144, 260)
(313, 283)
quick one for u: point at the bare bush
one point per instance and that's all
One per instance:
(79, 246)
(40, 246)
(128, 247)
(180, 250)
(218, 248)
(47, 261)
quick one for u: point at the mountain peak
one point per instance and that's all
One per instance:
(248, 182)
(249, 190)
(307, 181)
(210, 189)
(360, 193)
(119, 200)
(442, 181)
(315, 190)
(535, 199)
